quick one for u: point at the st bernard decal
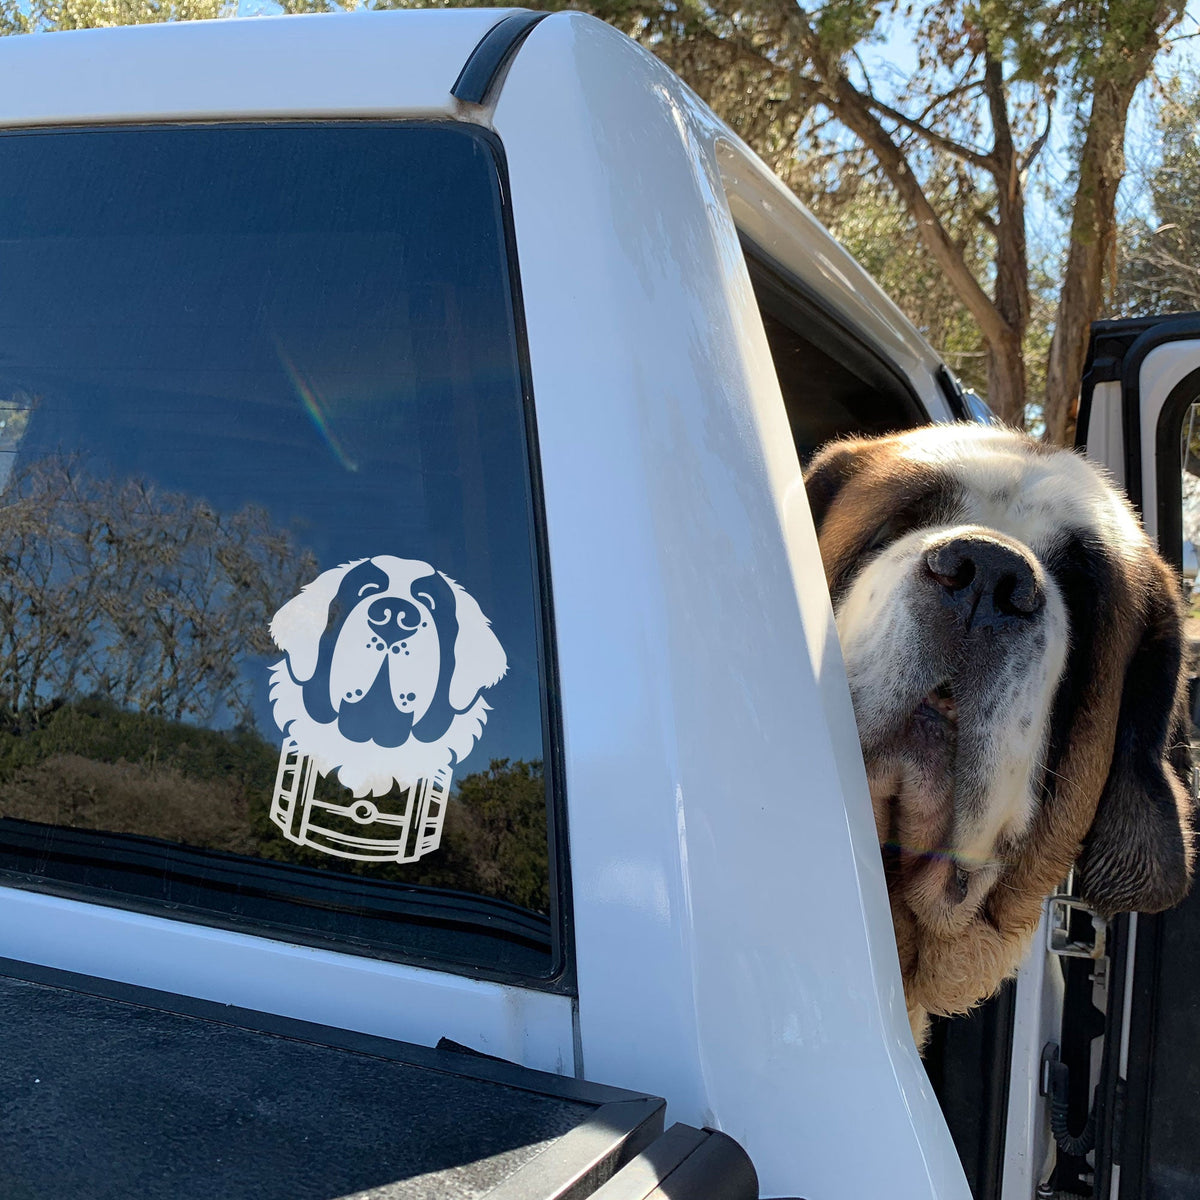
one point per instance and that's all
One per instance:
(385, 664)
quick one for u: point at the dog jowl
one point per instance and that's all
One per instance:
(1015, 655)
(386, 660)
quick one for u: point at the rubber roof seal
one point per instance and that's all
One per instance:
(495, 51)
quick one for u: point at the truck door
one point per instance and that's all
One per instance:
(1131, 1018)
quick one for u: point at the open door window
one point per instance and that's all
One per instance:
(1130, 1020)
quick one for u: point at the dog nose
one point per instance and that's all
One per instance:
(985, 581)
(393, 619)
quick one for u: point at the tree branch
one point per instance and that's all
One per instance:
(1039, 144)
(855, 112)
(960, 89)
(967, 154)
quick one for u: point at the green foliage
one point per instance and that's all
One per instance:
(843, 25)
(96, 728)
(866, 217)
(94, 765)
(1158, 267)
(494, 841)
(93, 14)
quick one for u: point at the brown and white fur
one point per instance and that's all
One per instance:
(1015, 654)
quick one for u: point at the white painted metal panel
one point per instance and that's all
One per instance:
(345, 65)
(342, 990)
(735, 950)
(1037, 1019)
(1163, 368)
(735, 947)
(1106, 429)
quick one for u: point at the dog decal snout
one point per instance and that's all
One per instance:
(385, 664)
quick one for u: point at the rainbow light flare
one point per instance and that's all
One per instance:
(941, 855)
(312, 406)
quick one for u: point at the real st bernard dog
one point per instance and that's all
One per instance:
(1015, 654)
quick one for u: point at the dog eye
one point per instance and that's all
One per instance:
(367, 588)
(429, 602)
(882, 535)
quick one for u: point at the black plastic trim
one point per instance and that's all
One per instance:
(1125, 1102)
(1129, 1099)
(686, 1164)
(840, 337)
(1169, 509)
(952, 391)
(968, 1062)
(1117, 350)
(641, 1176)
(563, 977)
(575, 1164)
(998, 1076)
(484, 67)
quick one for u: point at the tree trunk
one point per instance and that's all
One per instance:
(1006, 352)
(1093, 230)
(1006, 382)
(1093, 217)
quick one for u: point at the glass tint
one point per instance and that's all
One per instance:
(270, 646)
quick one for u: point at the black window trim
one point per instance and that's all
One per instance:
(797, 304)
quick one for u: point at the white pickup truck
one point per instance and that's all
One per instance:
(472, 339)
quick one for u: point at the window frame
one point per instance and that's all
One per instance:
(793, 303)
(560, 975)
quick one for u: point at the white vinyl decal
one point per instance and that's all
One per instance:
(385, 662)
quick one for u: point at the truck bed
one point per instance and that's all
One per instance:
(108, 1090)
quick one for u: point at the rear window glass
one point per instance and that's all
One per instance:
(271, 636)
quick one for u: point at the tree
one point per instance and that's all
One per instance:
(149, 598)
(864, 214)
(17, 17)
(977, 109)
(955, 141)
(1158, 267)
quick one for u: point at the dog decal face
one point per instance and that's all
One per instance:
(385, 663)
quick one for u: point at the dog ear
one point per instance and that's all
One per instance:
(1137, 857)
(479, 659)
(298, 625)
(830, 469)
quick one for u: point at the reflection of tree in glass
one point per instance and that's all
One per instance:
(127, 614)
(495, 836)
(150, 598)
(90, 765)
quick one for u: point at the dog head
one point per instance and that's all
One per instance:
(1015, 656)
(382, 654)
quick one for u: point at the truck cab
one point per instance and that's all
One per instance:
(414, 627)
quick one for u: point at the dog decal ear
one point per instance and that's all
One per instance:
(292, 626)
(828, 472)
(472, 657)
(1137, 856)
(479, 659)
